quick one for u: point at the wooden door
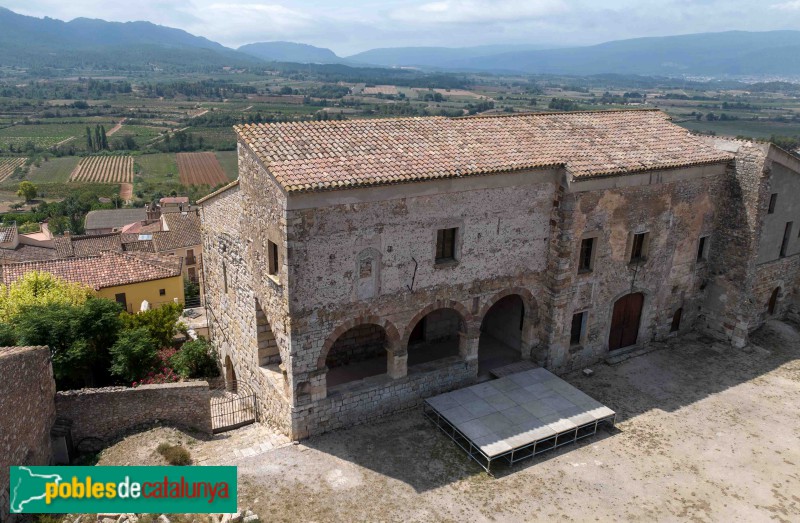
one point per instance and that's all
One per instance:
(625, 321)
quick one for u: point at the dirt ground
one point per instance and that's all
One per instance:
(704, 433)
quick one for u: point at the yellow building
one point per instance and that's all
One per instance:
(130, 278)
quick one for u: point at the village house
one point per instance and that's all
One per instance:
(127, 278)
(357, 267)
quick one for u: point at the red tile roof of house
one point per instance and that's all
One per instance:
(313, 156)
(109, 269)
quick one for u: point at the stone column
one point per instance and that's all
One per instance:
(396, 364)
(468, 346)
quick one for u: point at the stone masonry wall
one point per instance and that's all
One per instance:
(382, 395)
(249, 329)
(783, 273)
(110, 412)
(27, 412)
(674, 216)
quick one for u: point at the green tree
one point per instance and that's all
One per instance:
(160, 322)
(196, 359)
(103, 137)
(89, 144)
(134, 354)
(27, 190)
(79, 337)
(40, 289)
(98, 141)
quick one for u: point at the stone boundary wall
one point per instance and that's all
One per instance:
(110, 412)
(783, 273)
(27, 412)
(383, 396)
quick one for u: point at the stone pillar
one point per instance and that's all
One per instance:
(468, 346)
(396, 364)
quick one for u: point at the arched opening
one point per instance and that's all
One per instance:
(625, 321)
(773, 300)
(268, 353)
(676, 320)
(230, 375)
(435, 336)
(500, 343)
(358, 353)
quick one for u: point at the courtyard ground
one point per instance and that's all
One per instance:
(704, 433)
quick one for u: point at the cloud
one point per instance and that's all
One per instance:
(477, 11)
(792, 5)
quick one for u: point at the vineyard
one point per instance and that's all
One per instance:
(8, 165)
(200, 169)
(104, 169)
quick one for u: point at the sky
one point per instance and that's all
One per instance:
(351, 26)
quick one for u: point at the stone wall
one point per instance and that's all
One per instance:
(380, 396)
(250, 331)
(27, 412)
(673, 213)
(110, 412)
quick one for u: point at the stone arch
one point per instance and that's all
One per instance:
(230, 375)
(471, 330)
(772, 304)
(392, 335)
(528, 300)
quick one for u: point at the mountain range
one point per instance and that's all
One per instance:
(85, 43)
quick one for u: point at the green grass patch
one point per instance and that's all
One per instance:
(54, 170)
(229, 160)
(156, 167)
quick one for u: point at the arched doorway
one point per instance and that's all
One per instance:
(230, 375)
(773, 300)
(501, 334)
(358, 353)
(625, 321)
(435, 336)
(676, 320)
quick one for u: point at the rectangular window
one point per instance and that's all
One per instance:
(639, 248)
(224, 277)
(446, 245)
(702, 255)
(787, 234)
(162, 292)
(773, 199)
(273, 257)
(585, 262)
(578, 327)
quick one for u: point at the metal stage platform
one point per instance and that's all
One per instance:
(516, 417)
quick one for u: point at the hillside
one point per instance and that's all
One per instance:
(711, 54)
(46, 42)
(434, 57)
(290, 52)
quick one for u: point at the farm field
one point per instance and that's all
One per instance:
(200, 169)
(40, 135)
(229, 160)
(757, 129)
(104, 169)
(9, 165)
(55, 170)
(157, 167)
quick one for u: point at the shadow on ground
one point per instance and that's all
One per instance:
(409, 448)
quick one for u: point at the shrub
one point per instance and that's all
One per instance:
(196, 359)
(134, 354)
(175, 454)
(160, 322)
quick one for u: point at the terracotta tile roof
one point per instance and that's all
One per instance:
(113, 218)
(182, 230)
(174, 199)
(311, 156)
(87, 245)
(109, 269)
(25, 253)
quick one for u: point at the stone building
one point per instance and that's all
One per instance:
(356, 267)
